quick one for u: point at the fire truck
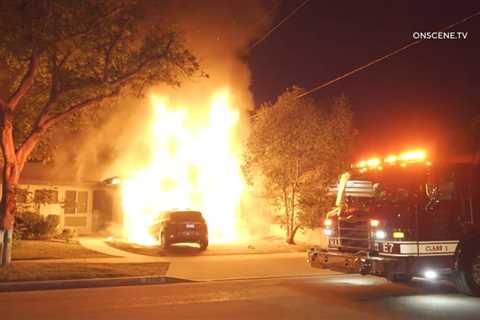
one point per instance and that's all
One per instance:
(405, 216)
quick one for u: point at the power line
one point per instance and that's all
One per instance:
(269, 14)
(278, 25)
(405, 47)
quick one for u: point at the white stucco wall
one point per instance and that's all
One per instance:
(57, 208)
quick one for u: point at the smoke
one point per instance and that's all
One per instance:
(218, 33)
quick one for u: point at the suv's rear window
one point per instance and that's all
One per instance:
(184, 215)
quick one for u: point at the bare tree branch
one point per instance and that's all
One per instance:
(26, 83)
(181, 68)
(76, 107)
(27, 146)
(45, 122)
(109, 49)
(96, 20)
(54, 94)
(127, 76)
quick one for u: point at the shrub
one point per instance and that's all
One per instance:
(68, 234)
(31, 225)
(51, 223)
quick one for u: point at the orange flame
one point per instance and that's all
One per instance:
(193, 165)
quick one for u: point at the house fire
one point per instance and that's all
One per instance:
(193, 162)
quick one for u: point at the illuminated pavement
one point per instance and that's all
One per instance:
(214, 267)
(242, 267)
(314, 297)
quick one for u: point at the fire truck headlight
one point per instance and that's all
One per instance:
(380, 234)
(327, 222)
(327, 232)
(430, 274)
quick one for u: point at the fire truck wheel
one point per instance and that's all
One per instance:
(467, 280)
(164, 241)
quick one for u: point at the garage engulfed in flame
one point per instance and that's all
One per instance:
(194, 163)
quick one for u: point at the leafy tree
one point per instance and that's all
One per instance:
(296, 148)
(59, 57)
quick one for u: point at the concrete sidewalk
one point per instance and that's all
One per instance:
(99, 245)
(85, 283)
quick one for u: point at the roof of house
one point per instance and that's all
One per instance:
(39, 173)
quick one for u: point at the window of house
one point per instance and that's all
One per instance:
(21, 195)
(70, 197)
(82, 197)
(76, 202)
(45, 196)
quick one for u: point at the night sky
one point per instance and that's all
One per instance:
(415, 98)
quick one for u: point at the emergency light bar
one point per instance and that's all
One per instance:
(414, 156)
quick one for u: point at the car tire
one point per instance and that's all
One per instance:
(203, 245)
(164, 244)
(467, 279)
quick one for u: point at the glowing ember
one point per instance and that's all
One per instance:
(193, 164)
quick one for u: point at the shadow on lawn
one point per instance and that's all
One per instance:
(255, 247)
(173, 250)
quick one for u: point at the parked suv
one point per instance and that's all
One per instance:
(180, 226)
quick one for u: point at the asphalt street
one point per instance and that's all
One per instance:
(326, 296)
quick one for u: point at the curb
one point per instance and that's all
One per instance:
(87, 283)
(280, 277)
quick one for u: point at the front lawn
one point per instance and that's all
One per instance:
(45, 249)
(36, 271)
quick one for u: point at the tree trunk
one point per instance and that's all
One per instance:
(9, 184)
(291, 222)
(287, 213)
(292, 217)
(12, 166)
(7, 210)
(291, 238)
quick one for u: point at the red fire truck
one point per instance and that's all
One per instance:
(402, 217)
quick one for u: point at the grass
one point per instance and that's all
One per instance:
(44, 249)
(36, 271)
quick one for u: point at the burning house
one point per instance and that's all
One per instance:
(42, 189)
(193, 162)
